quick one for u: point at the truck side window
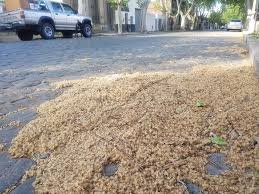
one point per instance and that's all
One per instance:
(56, 7)
(68, 9)
(42, 6)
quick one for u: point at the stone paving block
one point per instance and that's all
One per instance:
(4, 98)
(216, 164)
(22, 116)
(40, 97)
(4, 85)
(28, 83)
(193, 188)
(25, 188)
(22, 103)
(13, 170)
(6, 108)
(7, 135)
(5, 161)
(11, 78)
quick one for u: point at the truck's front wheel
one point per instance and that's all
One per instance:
(87, 30)
(47, 31)
(25, 35)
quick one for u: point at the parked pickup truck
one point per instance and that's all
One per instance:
(48, 18)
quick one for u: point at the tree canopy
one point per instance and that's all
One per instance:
(115, 3)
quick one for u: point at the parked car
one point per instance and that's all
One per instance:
(223, 28)
(48, 18)
(235, 24)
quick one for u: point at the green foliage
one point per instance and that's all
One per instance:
(206, 4)
(240, 3)
(143, 3)
(235, 7)
(200, 104)
(229, 11)
(115, 3)
(218, 140)
(216, 17)
(255, 35)
(233, 12)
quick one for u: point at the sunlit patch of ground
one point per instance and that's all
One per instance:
(156, 127)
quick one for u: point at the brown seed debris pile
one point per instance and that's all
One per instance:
(156, 127)
(241, 51)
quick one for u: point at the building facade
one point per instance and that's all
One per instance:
(105, 17)
(253, 15)
(1, 6)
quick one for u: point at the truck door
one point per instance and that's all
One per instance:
(59, 16)
(72, 17)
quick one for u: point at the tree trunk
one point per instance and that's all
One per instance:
(176, 19)
(119, 20)
(193, 20)
(143, 20)
(80, 6)
(164, 24)
(183, 22)
(255, 5)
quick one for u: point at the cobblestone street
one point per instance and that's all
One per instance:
(28, 68)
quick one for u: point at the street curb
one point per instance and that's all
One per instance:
(10, 36)
(253, 49)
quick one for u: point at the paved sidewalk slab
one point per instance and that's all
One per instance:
(25, 188)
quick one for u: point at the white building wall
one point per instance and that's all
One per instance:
(151, 19)
(151, 22)
(132, 5)
(1, 8)
(252, 24)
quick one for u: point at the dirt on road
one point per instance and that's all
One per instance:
(155, 130)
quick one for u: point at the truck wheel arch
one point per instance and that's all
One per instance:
(87, 21)
(46, 19)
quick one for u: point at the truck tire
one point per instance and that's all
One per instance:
(25, 35)
(67, 34)
(87, 30)
(47, 31)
